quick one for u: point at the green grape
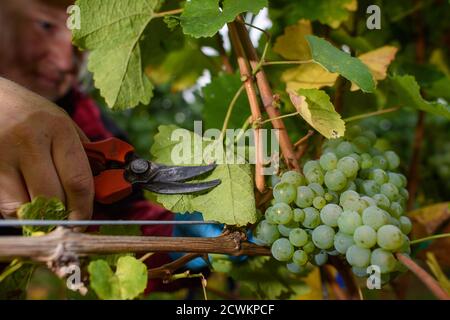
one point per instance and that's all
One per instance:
(298, 237)
(321, 258)
(404, 193)
(369, 135)
(335, 180)
(361, 144)
(348, 221)
(328, 197)
(293, 177)
(333, 252)
(351, 185)
(383, 259)
(370, 188)
(305, 197)
(284, 192)
(282, 213)
(382, 201)
(299, 215)
(292, 267)
(396, 209)
(266, 232)
(285, 229)
(379, 176)
(328, 161)
(343, 241)
(311, 165)
(282, 249)
(368, 201)
(319, 202)
(330, 214)
(317, 188)
(359, 272)
(344, 149)
(357, 157)
(357, 256)
(404, 181)
(314, 176)
(348, 166)
(274, 179)
(393, 221)
(323, 237)
(365, 237)
(406, 246)
(270, 215)
(366, 161)
(300, 257)
(375, 217)
(390, 191)
(390, 237)
(312, 218)
(395, 179)
(332, 143)
(392, 159)
(348, 195)
(309, 247)
(333, 196)
(354, 205)
(380, 162)
(405, 224)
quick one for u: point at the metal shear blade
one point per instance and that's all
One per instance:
(180, 173)
(180, 187)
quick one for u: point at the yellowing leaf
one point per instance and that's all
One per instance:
(308, 76)
(351, 6)
(378, 61)
(292, 45)
(437, 271)
(315, 107)
(428, 220)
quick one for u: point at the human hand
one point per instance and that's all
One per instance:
(41, 154)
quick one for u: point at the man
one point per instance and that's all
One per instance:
(41, 149)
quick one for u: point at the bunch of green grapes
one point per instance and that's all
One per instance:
(350, 202)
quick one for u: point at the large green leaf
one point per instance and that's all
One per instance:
(407, 91)
(129, 280)
(232, 202)
(315, 107)
(203, 18)
(218, 95)
(41, 208)
(335, 60)
(112, 30)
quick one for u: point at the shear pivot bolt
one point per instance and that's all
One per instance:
(139, 166)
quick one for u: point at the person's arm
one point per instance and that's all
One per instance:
(41, 154)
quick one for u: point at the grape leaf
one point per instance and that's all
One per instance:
(218, 95)
(406, 89)
(113, 31)
(308, 76)
(315, 107)
(232, 202)
(41, 208)
(127, 282)
(292, 44)
(377, 61)
(203, 18)
(330, 12)
(335, 60)
(267, 278)
(176, 71)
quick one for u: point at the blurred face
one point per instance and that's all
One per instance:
(35, 47)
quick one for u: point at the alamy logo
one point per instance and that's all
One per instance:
(74, 20)
(374, 20)
(374, 279)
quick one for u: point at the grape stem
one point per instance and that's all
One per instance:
(426, 278)
(267, 96)
(433, 237)
(167, 13)
(371, 114)
(252, 96)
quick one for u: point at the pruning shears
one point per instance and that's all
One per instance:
(117, 170)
